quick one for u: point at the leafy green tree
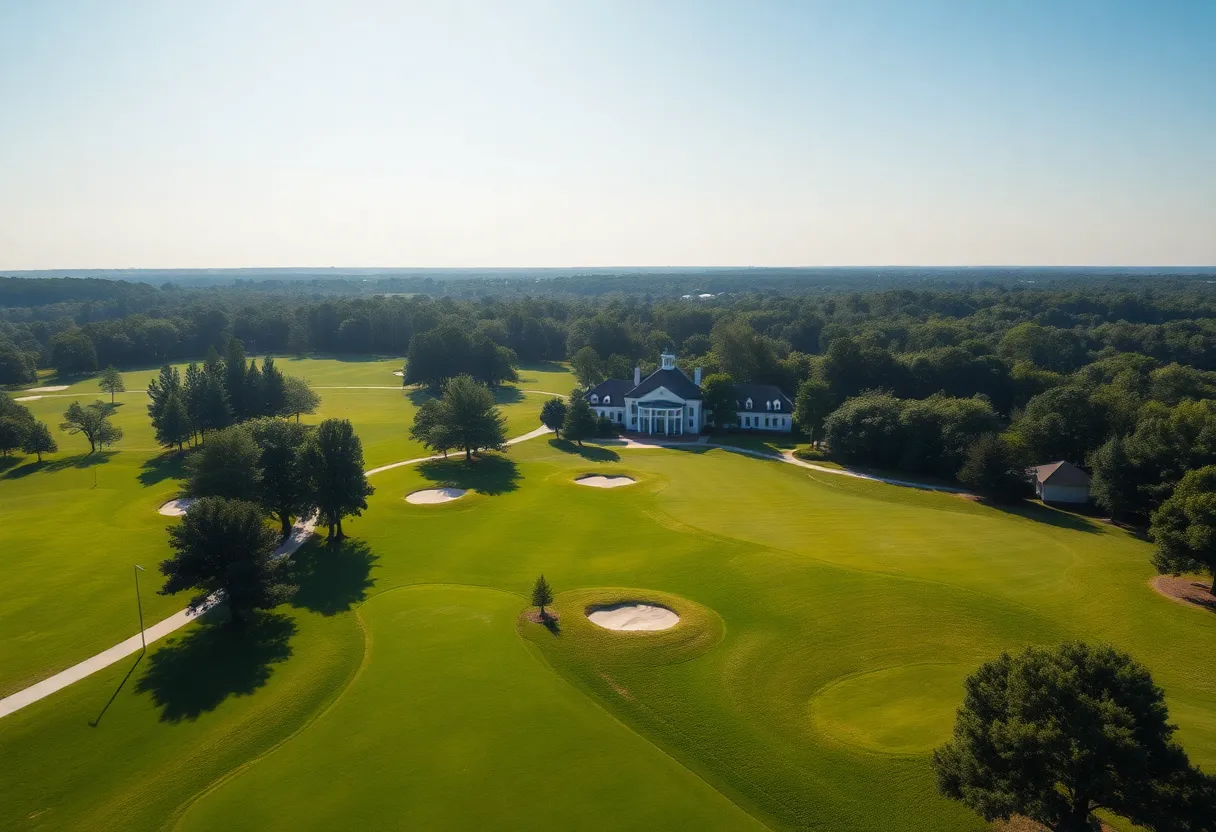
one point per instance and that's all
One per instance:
(995, 468)
(580, 421)
(253, 394)
(298, 397)
(38, 440)
(13, 433)
(1184, 527)
(542, 595)
(553, 414)
(587, 367)
(1062, 423)
(274, 388)
(16, 366)
(718, 399)
(1116, 478)
(167, 383)
(93, 421)
(235, 374)
(73, 353)
(812, 405)
(227, 465)
(1057, 734)
(111, 382)
(284, 489)
(224, 549)
(174, 425)
(471, 421)
(192, 388)
(213, 410)
(745, 354)
(430, 427)
(604, 427)
(333, 462)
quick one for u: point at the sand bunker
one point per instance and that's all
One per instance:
(435, 495)
(398, 374)
(53, 389)
(633, 616)
(597, 481)
(176, 508)
(27, 398)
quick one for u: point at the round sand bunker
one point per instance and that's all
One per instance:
(435, 495)
(598, 481)
(633, 616)
(176, 508)
(399, 373)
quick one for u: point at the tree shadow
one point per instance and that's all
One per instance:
(542, 367)
(551, 624)
(79, 461)
(420, 395)
(195, 672)
(97, 721)
(170, 465)
(7, 462)
(332, 578)
(594, 453)
(1040, 513)
(487, 473)
(507, 395)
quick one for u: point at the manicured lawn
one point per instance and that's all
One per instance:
(826, 625)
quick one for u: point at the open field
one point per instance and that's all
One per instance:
(71, 528)
(826, 625)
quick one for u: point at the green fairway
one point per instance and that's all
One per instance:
(825, 628)
(72, 528)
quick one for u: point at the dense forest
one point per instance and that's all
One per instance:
(1114, 372)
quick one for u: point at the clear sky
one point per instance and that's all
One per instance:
(578, 133)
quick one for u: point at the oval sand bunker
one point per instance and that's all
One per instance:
(176, 508)
(598, 481)
(435, 495)
(633, 617)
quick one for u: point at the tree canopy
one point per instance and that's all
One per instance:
(332, 459)
(465, 417)
(93, 421)
(1184, 527)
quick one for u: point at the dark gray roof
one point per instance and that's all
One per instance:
(614, 387)
(1063, 474)
(759, 394)
(673, 380)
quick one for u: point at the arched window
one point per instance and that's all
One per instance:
(749, 404)
(768, 405)
(776, 404)
(607, 399)
(595, 399)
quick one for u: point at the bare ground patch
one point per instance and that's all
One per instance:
(1185, 591)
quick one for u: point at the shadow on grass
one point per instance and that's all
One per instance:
(97, 721)
(332, 578)
(594, 453)
(50, 465)
(195, 672)
(508, 395)
(169, 465)
(7, 462)
(1047, 514)
(419, 395)
(488, 474)
(542, 367)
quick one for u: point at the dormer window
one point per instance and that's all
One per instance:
(595, 399)
(776, 404)
(768, 405)
(749, 404)
(607, 399)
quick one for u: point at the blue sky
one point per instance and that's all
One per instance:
(175, 134)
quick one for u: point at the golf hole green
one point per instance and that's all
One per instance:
(898, 710)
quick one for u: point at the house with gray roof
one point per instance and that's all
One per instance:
(1060, 482)
(668, 403)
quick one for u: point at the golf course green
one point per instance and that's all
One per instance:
(825, 627)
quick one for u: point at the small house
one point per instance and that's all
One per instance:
(1060, 482)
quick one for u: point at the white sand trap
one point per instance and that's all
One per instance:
(53, 389)
(27, 398)
(398, 374)
(633, 617)
(176, 508)
(597, 481)
(435, 495)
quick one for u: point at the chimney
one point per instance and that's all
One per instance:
(637, 376)
(696, 376)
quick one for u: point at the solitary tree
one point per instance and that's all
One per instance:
(298, 397)
(333, 462)
(994, 467)
(1184, 527)
(284, 490)
(38, 440)
(471, 419)
(1056, 734)
(228, 465)
(718, 399)
(93, 421)
(580, 421)
(224, 549)
(542, 595)
(553, 415)
(430, 427)
(812, 404)
(111, 382)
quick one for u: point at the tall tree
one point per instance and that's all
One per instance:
(111, 382)
(1116, 478)
(553, 415)
(812, 405)
(471, 419)
(430, 427)
(227, 465)
(284, 490)
(333, 462)
(173, 426)
(274, 388)
(192, 390)
(580, 421)
(299, 397)
(235, 372)
(224, 549)
(38, 440)
(1056, 734)
(93, 421)
(214, 413)
(718, 399)
(1184, 527)
(167, 383)
(587, 366)
(995, 468)
(542, 594)
(253, 394)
